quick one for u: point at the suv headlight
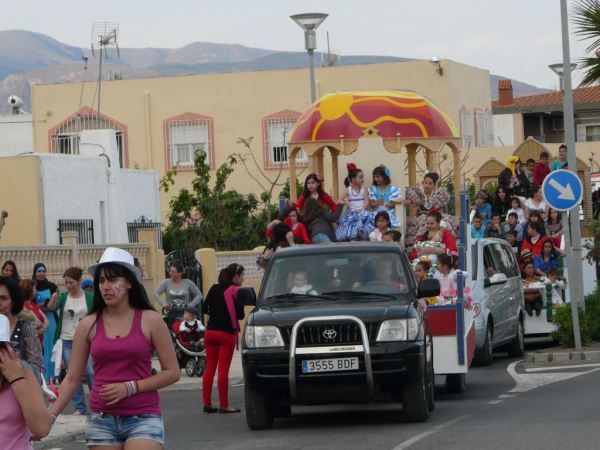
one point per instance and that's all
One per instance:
(263, 336)
(398, 330)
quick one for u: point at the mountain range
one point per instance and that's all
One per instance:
(31, 58)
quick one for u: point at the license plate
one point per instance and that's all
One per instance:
(329, 365)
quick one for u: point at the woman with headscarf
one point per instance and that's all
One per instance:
(46, 291)
(513, 179)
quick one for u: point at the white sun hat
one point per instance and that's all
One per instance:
(118, 256)
(5, 330)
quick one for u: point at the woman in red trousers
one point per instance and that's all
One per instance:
(224, 311)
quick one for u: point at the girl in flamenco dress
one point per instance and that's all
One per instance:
(427, 198)
(356, 223)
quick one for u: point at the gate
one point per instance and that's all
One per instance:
(192, 269)
(83, 227)
(143, 223)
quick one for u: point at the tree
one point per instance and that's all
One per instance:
(208, 216)
(586, 18)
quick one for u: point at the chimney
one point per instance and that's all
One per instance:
(505, 93)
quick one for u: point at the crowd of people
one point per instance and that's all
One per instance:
(105, 329)
(518, 213)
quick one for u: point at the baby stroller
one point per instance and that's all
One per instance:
(189, 345)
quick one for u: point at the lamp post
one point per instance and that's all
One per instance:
(558, 69)
(309, 23)
(573, 232)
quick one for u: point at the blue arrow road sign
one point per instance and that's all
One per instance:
(562, 190)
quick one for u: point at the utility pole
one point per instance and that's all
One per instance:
(573, 232)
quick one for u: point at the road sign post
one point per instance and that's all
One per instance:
(563, 191)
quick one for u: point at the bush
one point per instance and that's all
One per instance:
(592, 310)
(563, 318)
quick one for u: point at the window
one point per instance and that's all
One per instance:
(483, 129)
(184, 135)
(64, 138)
(466, 128)
(186, 138)
(276, 133)
(83, 227)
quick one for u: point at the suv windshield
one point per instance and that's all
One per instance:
(376, 275)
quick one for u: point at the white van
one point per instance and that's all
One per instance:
(498, 304)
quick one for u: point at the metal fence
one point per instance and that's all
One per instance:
(83, 227)
(145, 224)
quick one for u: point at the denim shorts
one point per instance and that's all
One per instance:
(106, 429)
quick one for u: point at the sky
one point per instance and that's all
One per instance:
(514, 38)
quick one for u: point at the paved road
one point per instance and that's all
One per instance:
(507, 405)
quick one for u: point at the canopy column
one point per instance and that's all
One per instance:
(335, 176)
(430, 157)
(457, 181)
(411, 157)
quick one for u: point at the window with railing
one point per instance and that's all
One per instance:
(65, 137)
(276, 133)
(184, 135)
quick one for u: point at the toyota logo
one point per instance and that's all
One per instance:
(329, 334)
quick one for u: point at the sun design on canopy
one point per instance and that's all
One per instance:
(391, 113)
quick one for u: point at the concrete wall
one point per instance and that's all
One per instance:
(20, 195)
(238, 101)
(140, 191)
(504, 130)
(16, 134)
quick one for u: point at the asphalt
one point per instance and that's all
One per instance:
(511, 404)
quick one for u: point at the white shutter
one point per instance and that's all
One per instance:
(581, 133)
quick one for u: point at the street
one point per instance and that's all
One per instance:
(503, 407)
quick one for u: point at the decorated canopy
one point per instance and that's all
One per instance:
(388, 113)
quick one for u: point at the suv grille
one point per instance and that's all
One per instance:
(343, 333)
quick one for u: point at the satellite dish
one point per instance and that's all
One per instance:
(104, 46)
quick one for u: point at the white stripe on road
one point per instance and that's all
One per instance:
(494, 402)
(574, 366)
(506, 396)
(529, 381)
(425, 434)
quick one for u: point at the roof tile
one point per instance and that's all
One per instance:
(580, 96)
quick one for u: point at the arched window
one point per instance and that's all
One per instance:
(276, 132)
(64, 138)
(184, 134)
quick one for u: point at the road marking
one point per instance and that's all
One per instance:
(575, 366)
(529, 381)
(494, 402)
(507, 396)
(435, 429)
(236, 385)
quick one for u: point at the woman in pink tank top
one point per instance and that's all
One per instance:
(121, 333)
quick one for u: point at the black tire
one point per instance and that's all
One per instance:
(430, 383)
(200, 367)
(259, 410)
(517, 347)
(456, 383)
(190, 368)
(484, 356)
(283, 410)
(415, 403)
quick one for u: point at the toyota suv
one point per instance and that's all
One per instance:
(338, 323)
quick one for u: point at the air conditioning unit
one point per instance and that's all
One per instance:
(558, 124)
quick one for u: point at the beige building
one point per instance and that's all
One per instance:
(160, 121)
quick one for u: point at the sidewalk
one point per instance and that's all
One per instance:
(561, 354)
(69, 425)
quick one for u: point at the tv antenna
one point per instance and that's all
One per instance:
(104, 45)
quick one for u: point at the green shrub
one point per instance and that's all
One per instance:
(563, 318)
(592, 311)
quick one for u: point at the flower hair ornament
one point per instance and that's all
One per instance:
(319, 177)
(387, 171)
(350, 166)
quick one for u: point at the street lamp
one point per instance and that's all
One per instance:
(309, 23)
(558, 69)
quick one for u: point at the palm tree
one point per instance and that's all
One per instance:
(586, 18)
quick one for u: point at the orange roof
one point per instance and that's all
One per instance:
(581, 96)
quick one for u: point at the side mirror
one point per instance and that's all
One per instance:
(429, 287)
(497, 278)
(247, 296)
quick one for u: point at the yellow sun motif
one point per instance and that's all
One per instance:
(334, 106)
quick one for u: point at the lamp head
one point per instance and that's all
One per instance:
(309, 21)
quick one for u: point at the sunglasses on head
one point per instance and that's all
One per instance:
(41, 270)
